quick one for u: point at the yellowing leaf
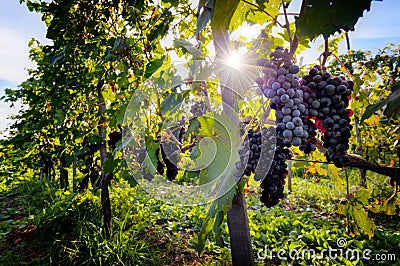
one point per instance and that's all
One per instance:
(373, 120)
(360, 216)
(312, 170)
(317, 169)
(320, 170)
(334, 171)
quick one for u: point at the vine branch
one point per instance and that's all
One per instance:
(293, 46)
(347, 41)
(289, 14)
(361, 163)
(310, 161)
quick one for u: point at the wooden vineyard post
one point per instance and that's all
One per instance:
(363, 172)
(290, 175)
(239, 231)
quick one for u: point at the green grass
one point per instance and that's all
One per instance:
(67, 228)
(41, 225)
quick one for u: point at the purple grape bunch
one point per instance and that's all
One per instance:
(327, 98)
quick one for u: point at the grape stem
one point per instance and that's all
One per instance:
(295, 41)
(326, 53)
(359, 149)
(345, 68)
(394, 193)
(287, 25)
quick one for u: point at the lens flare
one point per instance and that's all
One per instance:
(234, 61)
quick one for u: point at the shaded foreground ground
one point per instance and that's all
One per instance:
(41, 225)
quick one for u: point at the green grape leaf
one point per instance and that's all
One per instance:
(208, 151)
(245, 12)
(250, 14)
(81, 151)
(151, 159)
(110, 165)
(239, 16)
(171, 102)
(153, 66)
(300, 164)
(363, 195)
(338, 181)
(366, 224)
(204, 232)
(214, 219)
(133, 108)
(187, 46)
(223, 13)
(388, 206)
(371, 109)
(392, 103)
(59, 116)
(207, 126)
(95, 139)
(224, 137)
(205, 16)
(121, 114)
(329, 16)
(132, 179)
(204, 73)
(191, 175)
(194, 153)
(194, 127)
(160, 30)
(217, 228)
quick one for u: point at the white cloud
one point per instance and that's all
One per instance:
(5, 112)
(14, 55)
(382, 21)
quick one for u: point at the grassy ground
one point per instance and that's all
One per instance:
(41, 225)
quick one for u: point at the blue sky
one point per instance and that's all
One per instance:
(377, 28)
(17, 27)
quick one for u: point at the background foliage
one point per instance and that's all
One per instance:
(107, 53)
